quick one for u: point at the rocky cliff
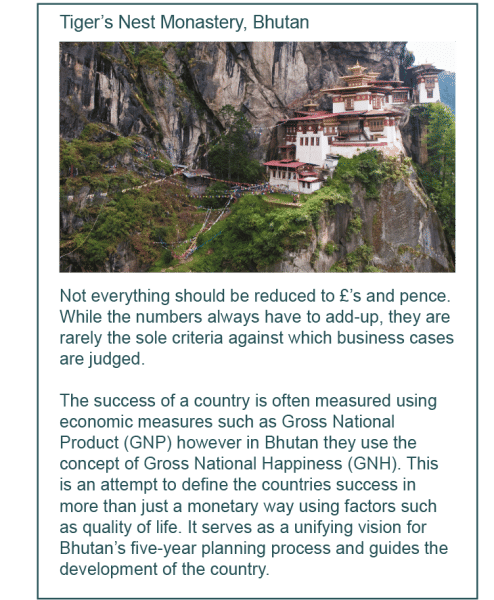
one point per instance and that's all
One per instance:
(413, 128)
(399, 232)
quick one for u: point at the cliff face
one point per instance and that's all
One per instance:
(171, 93)
(413, 129)
(398, 233)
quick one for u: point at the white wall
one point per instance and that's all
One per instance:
(423, 94)
(389, 132)
(338, 107)
(317, 185)
(292, 184)
(313, 187)
(346, 151)
(276, 180)
(312, 154)
(351, 151)
(362, 105)
(399, 141)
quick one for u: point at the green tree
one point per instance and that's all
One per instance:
(214, 195)
(439, 176)
(407, 57)
(229, 157)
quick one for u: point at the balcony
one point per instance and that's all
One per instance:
(344, 133)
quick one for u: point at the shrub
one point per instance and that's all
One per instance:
(354, 225)
(163, 166)
(151, 56)
(330, 248)
(211, 199)
(358, 260)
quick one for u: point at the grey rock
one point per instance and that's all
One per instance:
(402, 227)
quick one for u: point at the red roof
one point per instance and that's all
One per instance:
(278, 163)
(308, 112)
(313, 116)
(351, 89)
(383, 112)
(350, 112)
(386, 82)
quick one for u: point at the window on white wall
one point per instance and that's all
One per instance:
(376, 102)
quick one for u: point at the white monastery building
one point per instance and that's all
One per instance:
(365, 115)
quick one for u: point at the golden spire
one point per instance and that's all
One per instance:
(357, 68)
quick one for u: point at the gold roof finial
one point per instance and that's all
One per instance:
(357, 68)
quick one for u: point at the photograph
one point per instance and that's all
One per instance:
(288, 157)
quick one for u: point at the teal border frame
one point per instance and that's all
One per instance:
(477, 273)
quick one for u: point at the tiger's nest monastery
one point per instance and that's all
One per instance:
(366, 114)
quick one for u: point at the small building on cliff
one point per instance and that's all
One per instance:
(425, 82)
(293, 175)
(197, 180)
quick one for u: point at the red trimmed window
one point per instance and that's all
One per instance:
(376, 125)
(399, 97)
